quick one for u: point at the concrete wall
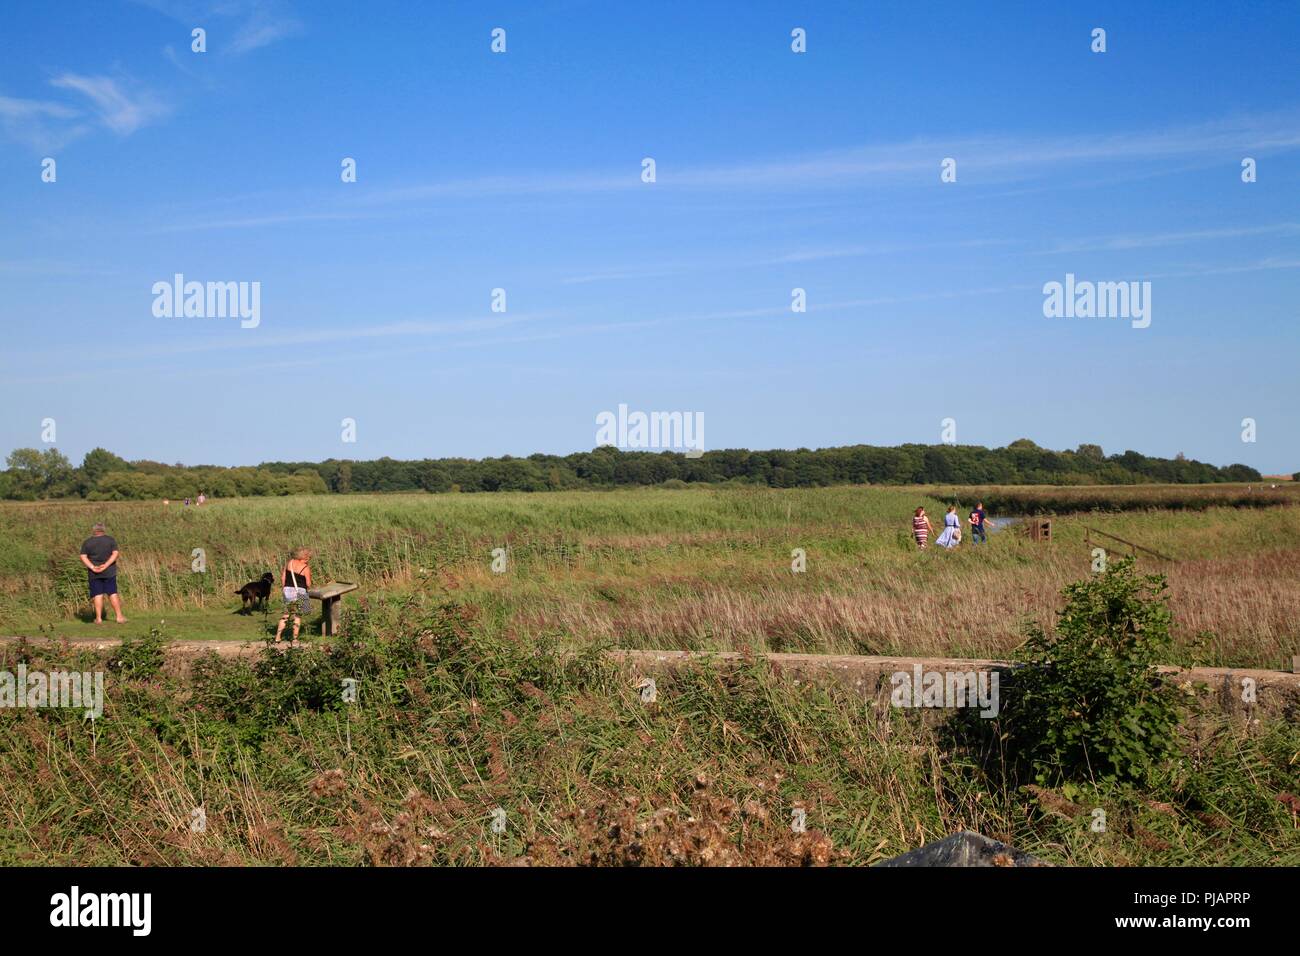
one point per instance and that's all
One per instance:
(1276, 693)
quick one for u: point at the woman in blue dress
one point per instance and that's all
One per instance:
(951, 529)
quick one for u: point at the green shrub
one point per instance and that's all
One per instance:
(140, 658)
(1090, 704)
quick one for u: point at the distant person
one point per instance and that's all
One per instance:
(951, 536)
(295, 581)
(978, 519)
(921, 528)
(187, 502)
(99, 554)
(202, 498)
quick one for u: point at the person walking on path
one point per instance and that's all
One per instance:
(921, 528)
(295, 581)
(99, 554)
(951, 536)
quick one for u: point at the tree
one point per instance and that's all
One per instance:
(40, 474)
(1091, 453)
(99, 462)
(343, 478)
(35, 474)
(130, 486)
(936, 464)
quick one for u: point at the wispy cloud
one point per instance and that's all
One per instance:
(120, 105)
(12, 108)
(41, 124)
(1155, 240)
(169, 54)
(814, 254)
(248, 222)
(262, 29)
(1000, 157)
(648, 272)
(988, 160)
(878, 249)
(234, 26)
(114, 104)
(50, 267)
(121, 111)
(239, 340)
(1263, 265)
(436, 336)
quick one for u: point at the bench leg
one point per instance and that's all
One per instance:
(330, 622)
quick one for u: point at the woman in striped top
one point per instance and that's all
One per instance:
(921, 528)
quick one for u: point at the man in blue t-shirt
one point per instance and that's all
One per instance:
(977, 519)
(99, 554)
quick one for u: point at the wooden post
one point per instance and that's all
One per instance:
(1133, 548)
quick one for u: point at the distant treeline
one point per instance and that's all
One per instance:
(103, 476)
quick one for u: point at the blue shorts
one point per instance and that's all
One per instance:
(100, 586)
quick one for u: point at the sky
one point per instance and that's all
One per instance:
(523, 171)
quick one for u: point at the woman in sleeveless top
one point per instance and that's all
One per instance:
(921, 527)
(295, 581)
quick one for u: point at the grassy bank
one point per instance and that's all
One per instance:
(261, 762)
(693, 569)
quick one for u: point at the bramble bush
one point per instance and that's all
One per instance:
(1090, 703)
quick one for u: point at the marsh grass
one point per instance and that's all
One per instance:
(691, 568)
(454, 720)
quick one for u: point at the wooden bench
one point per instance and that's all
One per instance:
(330, 596)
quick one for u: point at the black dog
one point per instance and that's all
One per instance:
(256, 591)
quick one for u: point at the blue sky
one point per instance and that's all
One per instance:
(522, 171)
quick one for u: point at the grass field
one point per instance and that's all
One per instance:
(697, 568)
(484, 692)
(240, 761)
